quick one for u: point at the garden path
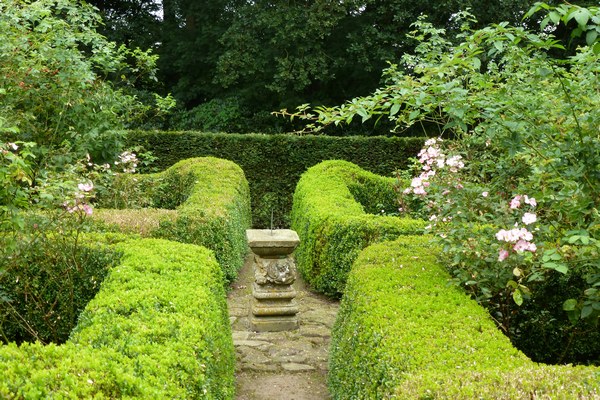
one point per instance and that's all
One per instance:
(281, 365)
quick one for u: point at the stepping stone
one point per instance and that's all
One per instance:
(295, 367)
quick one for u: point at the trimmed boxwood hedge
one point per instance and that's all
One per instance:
(273, 163)
(211, 201)
(332, 223)
(402, 332)
(157, 329)
(46, 284)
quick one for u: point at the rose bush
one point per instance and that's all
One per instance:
(514, 193)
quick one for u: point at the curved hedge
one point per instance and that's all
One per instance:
(211, 203)
(158, 328)
(273, 163)
(403, 333)
(333, 225)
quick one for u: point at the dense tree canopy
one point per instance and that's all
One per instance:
(259, 56)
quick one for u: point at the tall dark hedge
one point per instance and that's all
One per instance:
(273, 163)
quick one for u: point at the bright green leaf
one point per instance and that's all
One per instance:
(570, 305)
(518, 297)
(581, 15)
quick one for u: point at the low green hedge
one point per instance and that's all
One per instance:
(333, 225)
(157, 329)
(211, 200)
(402, 332)
(273, 163)
(46, 282)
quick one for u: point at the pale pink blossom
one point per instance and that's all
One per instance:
(529, 218)
(523, 245)
(87, 209)
(502, 255)
(514, 235)
(516, 201)
(531, 201)
(455, 163)
(416, 182)
(432, 141)
(433, 152)
(419, 191)
(525, 234)
(485, 194)
(85, 187)
(503, 235)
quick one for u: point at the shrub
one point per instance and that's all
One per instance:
(334, 227)
(211, 201)
(527, 128)
(53, 86)
(403, 332)
(158, 328)
(273, 163)
(47, 282)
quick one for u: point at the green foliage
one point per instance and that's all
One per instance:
(16, 176)
(216, 115)
(275, 54)
(211, 200)
(333, 226)
(273, 163)
(527, 130)
(158, 328)
(53, 81)
(402, 332)
(48, 281)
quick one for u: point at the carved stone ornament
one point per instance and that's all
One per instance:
(278, 271)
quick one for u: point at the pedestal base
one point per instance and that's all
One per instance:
(273, 323)
(274, 308)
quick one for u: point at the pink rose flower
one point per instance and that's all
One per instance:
(85, 187)
(529, 218)
(516, 202)
(531, 201)
(502, 255)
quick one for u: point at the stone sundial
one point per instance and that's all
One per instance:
(274, 307)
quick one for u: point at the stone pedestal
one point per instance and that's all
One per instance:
(274, 307)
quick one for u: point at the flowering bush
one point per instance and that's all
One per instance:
(55, 81)
(514, 198)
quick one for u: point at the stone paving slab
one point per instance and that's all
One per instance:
(281, 365)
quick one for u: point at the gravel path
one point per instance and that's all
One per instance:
(281, 365)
